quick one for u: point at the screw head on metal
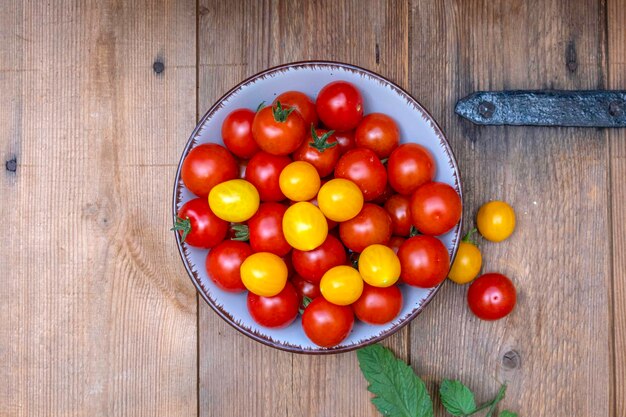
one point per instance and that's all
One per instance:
(486, 109)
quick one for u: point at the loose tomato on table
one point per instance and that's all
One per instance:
(398, 208)
(378, 305)
(302, 103)
(341, 285)
(277, 311)
(305, 288)
(491, 296)
(277, 130)
(372, 225)
(264, 274)
(237, 133)
(207, 165)
(345, 141)
(435, 208)
(311, 265)
(223, 263)
(378, 132)
(363, 167)
(339, 106)
(234, 200)
(325, 323)
(410, 166)
(263, 171)
(424, 261)
(198, 225)
(265, 229)
(320, 150)
(299, 181)
(467, 262)
(379, 266)
(495, 221)
(304, 226)
(340, 199)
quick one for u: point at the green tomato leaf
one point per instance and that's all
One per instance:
(507, 413)
(457, 398)
(398, 391)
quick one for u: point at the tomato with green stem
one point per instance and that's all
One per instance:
(302, 103)
(320, 150)
(278, 130)
(198, 225)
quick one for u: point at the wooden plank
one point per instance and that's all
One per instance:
(98, 315)
(554, 346)
(616, 21)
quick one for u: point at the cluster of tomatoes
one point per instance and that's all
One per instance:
(313, 207)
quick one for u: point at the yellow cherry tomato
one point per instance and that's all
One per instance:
(341, 285)
(379, 266)
(304, 226)
(264, 274)
(467, 263)
(299, 181)
(340, 199)
(234, 200)
(495, 221)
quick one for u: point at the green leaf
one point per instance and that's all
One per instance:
(507, 413)
(457, 398)
(398, 391)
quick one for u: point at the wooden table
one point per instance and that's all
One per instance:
(98, 317)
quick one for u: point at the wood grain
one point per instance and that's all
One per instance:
(556, 178)
(98, 315)
(616, 20)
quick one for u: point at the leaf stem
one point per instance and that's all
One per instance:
(496, 400)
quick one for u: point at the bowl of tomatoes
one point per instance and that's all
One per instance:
(317, 207)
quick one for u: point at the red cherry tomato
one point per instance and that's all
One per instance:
(409, 166)
(345, 140)
(305, 288)
(339, 106)
(207, 165)
(395, 242)
(277, 130)
(237, 133)
(435, 208)
(379, 133)
(320, 149)
(303, 105)
(327, 324)
(311, 265)
(277, 311)
(424, 261)
(378, 305)
(372, 225)
(398, 208)
(223, 262)
(363, 167)
(263, 171)
(381, 199)
(491, 296)
(198, 226)
(266, 229)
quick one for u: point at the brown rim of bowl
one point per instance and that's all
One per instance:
(224, 314)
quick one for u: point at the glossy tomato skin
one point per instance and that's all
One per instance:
(264, 274)
(303, 105)
(371, 226)
(378, 305)
(207, 165)
(340, 199)
(234, 200)
(277, 136)
(266, 229)
(378, 132)
(424, 261)
(263, 171)
(495, 221)
(323, 159)
(467, 263)
(341, 285)
(299, 181)
(379, 266)
(346, 141)
(410, 166)
(312, 265)
(398, 207)
(304, 226)
(491, 296)
(275, 312)
(363, 167)
(223, 263)
(305, 288)
(207, 230)
(339, 106)
(394, 244)
(327, 324)
(237, 133)
(435, 208)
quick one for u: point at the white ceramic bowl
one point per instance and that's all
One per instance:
(379, 95)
